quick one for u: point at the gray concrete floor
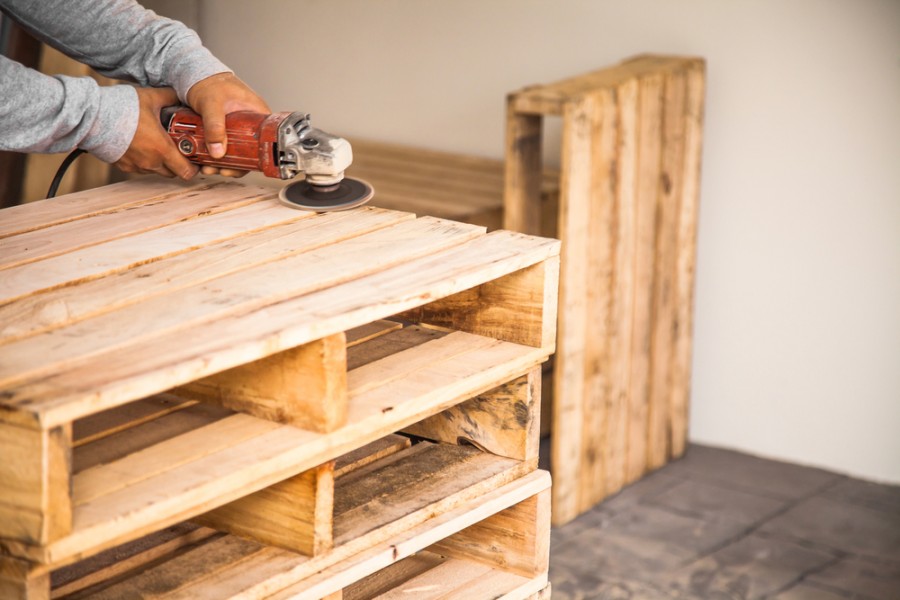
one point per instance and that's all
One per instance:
(721, 525)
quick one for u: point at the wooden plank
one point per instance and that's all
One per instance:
(686, 260)
(391, 576)
(49, 309)
(646, 225)
(82, 205)
(123, 561)
(391, 343)
(144, 434)
(118, 255)
(615, 446)
(370, 331)
(516, 539)
(365, 455)
(80, 390)
(664, 296)
(35, 473)
(519, 307)
(201, 305)
(295, 514)
(20, 580)
(569, 369)
(124, 221)
(104, 424)
(522, 182)
(305, 386)
(503, 421)
(598, 257)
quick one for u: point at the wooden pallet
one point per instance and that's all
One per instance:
(627, 219)
(174, 351)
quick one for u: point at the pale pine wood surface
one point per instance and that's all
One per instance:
(96, 305)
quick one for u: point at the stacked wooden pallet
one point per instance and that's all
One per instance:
(205, 393)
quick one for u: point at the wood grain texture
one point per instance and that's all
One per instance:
(295, 514)
(20, 580)
(627, 219)
(515, 540)
(522, 183)
(305, 386)
(504, 421)
(36, 503)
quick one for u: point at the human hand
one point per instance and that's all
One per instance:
(152, 150)
(213, 98)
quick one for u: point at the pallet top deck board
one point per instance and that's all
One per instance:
(161, 311)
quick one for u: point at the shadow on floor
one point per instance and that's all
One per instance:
(721, 525)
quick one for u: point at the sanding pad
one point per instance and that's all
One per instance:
(349, 193)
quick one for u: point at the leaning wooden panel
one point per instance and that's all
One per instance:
(305, 386)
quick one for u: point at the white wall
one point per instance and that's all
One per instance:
(797, 351)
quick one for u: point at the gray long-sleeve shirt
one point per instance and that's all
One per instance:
(118, 38)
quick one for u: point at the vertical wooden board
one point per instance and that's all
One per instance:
(305, 386)
(597, 359)
(647, 187)
(519, 307)
(35, 479)
(664, 278)
(523, 173)
(503, 421)
(296, 514)
(569, 392)
(516, 539)
(686, 245)
(615, 447)
(20, 580)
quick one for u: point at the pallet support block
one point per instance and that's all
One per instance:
(20, 580)
(519, 307)
(503, 421)
(516, 539)
(296, 514)
(304, 386)
(630, 167)
(35, 476)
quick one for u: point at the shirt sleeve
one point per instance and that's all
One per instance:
(119, 39)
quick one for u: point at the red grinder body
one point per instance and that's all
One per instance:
(252, 139)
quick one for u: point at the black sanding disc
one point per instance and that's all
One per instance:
(349, 193)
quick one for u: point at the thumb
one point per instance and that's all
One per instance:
(214, 128)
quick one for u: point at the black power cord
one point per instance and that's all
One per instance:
(54, 185)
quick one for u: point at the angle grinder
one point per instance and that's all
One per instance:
(280, 145)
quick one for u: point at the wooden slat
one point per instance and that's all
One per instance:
(57, 307)
(80, 390)
(81, 205)
(650, 104)
(664, 298)
(211, 466)
(522, 186)
(124, 221)
(365, 455)
(569, 375)
(101, 425)
(203, 304)
(686, 260)
(124, 253)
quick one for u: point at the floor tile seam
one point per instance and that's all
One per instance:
(754, 528)
(804, 574)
